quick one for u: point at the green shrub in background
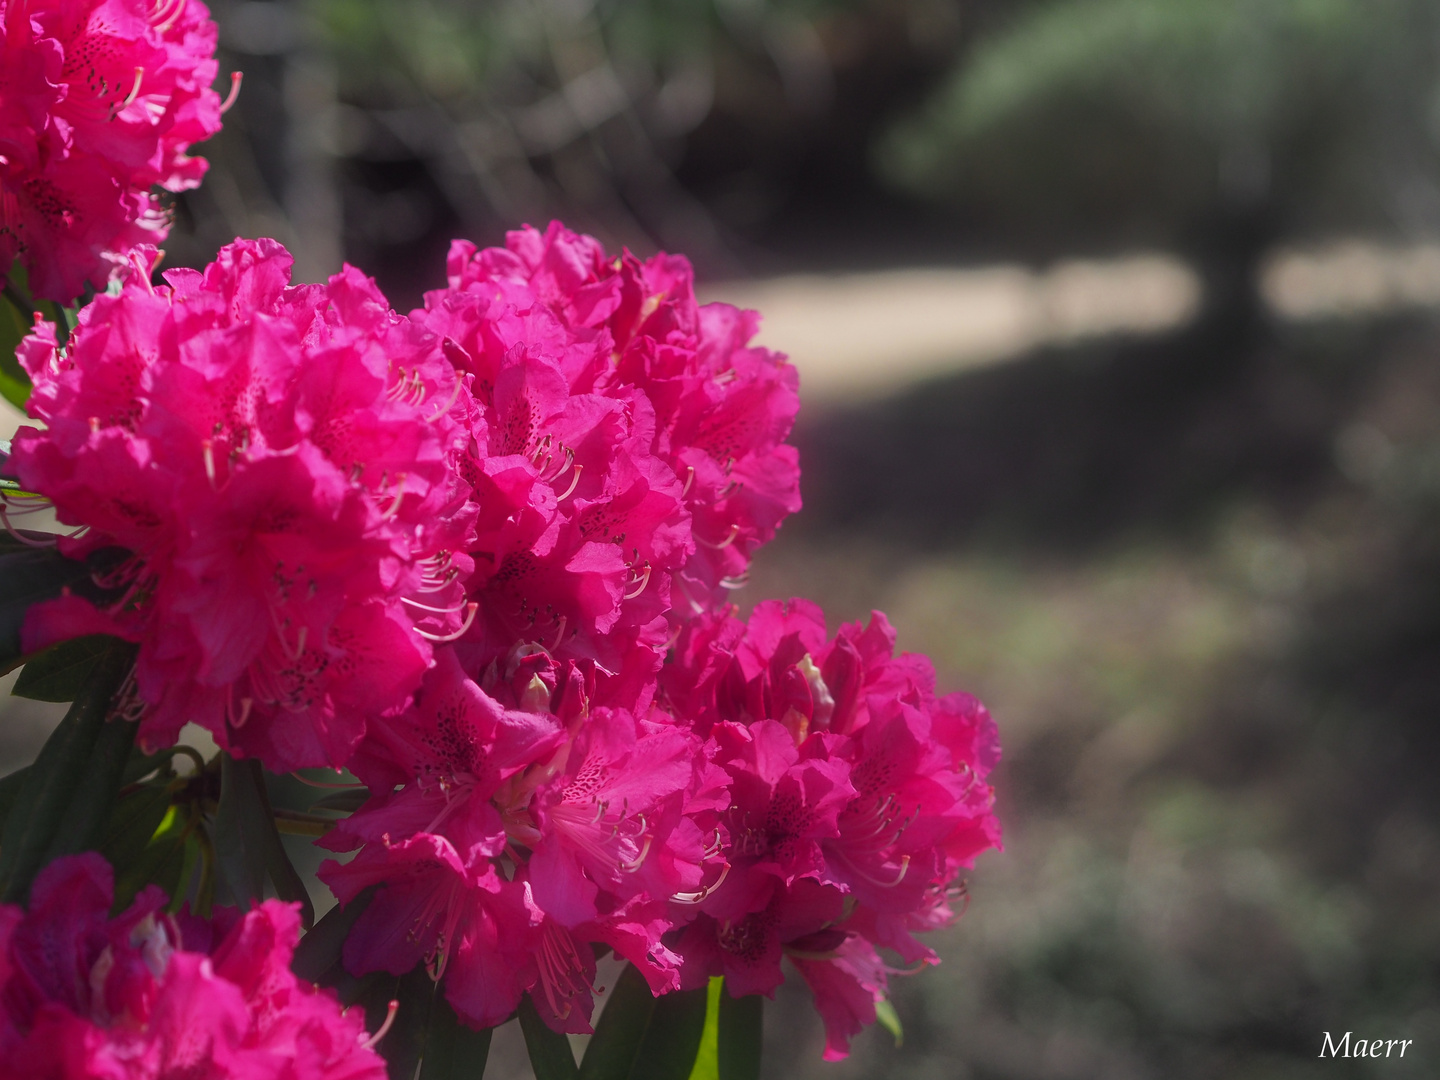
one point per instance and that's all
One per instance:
(1151, 120)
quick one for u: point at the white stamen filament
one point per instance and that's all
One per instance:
(434, 610)
(455, 393)
(399, 498)
(134, 90)
(723, 544)
(700, 894)
(638, 582)
(441, 639)
(369, 1042)
(574, 482)
(170, 10)
(235, 78)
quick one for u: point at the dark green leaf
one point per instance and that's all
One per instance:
(452, 1051)
(131, 827)
(93, 803)
(60, 777)
(319, 950)
(29, 575)
(550, 1055)
(286, 879)
(673, 1038)
(621, 1029)
(193, 858)
(740, 1033)
(10, 792)
(162, 863)
(14, 325)
(61, 671)
(248, 844)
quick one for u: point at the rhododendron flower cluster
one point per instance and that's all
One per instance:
(100, 100)
(856, 798)
(274, 478)
(482, 556)
(152, 996)
(629, 455)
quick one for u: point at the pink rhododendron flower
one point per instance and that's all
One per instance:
(591, 825)
(147, 996)
(857, 797)
(848, 982)
(632, 452)
(279, 463)
(100, 100)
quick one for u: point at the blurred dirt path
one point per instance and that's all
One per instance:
(862, 335)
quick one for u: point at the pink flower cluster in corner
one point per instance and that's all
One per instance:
(100, 100)
(481, 556)
(151, 996)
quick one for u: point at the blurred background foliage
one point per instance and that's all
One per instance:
(1195, 573)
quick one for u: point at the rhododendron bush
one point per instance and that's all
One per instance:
(450, 591)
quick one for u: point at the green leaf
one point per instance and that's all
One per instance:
(163, 860)
(192, 859)
(620, 1030)
(452, 1051)
(29, 575)
(319, 950)
(239, 830)
(61, 779)
(672, 1041)
(162, 863)
(247, 843)
(93, 804)
(10, 792)
(890, 1021)
(134, 824)
(61, 671)
(550, 1055)
(740, 1036)
(14, 325)
(707, 1061)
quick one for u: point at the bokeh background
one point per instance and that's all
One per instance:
(1117, 326)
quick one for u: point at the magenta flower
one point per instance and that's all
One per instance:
(100, 100)
(594, 824)
(654, 427)
(848, 981)
(279, 461)
(857, 798)
(147, 996)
